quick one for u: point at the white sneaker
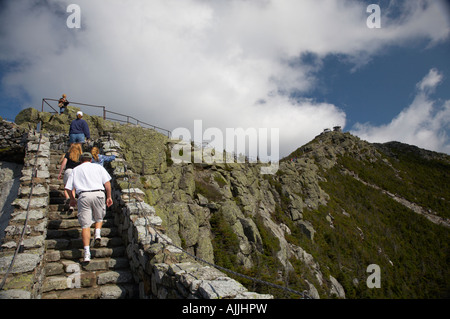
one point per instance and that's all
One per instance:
(87, 256)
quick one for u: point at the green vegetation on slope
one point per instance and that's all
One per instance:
(423, 177)
(411, 251)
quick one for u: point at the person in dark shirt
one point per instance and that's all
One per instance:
(62, 103)
(70, 160)
(79, 130)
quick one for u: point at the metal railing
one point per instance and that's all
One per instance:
(125, 118)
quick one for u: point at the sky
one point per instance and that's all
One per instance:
(295, 66)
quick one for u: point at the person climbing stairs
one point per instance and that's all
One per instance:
(67, 276)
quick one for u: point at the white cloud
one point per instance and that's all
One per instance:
(430, 81)
(229, 63)
(424, 123)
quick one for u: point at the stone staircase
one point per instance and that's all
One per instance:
(106, 276)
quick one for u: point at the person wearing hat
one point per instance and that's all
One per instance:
(79, 130)
(90, 182)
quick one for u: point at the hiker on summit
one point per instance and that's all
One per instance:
(62, 103)
(90, 182)
(79, 130)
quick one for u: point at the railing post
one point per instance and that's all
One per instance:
(104, 113)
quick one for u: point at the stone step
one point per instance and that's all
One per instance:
(65, 243)
(77, 254)
(56, 188)
(87, 278)
(104, 292)
(57, 208)
(56, 214)
(89, 285)
(76, 233)
(62, 209)
(55, 181)
(60, 200)
(97, 264)
(55, 158)
(59, 212)
(56, 194)
(76, 293)
(62, 224)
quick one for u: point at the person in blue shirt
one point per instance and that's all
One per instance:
(79, 130)
(99, 158)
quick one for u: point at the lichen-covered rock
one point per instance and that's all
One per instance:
(26, 116)
(143, 149)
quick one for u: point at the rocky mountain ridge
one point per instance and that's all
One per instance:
(316, 225)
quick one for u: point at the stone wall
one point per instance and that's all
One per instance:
(10, 174)
(24, 280)
(12, 142)
(162, 269)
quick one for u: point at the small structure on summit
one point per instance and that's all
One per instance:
(336, 128)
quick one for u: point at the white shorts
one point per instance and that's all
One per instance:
(67, 173)
(91, 208)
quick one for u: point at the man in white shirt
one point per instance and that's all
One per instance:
(90, 181)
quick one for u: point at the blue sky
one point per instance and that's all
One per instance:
(297, 66)
(377, 92)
